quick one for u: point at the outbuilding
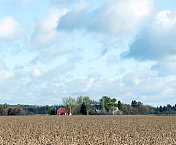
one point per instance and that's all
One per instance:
(58, 110)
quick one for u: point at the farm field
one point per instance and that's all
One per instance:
(88, 130)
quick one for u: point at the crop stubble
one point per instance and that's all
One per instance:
(88, 130)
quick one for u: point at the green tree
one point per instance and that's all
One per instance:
(83, 109)
(70, 104)
(15, 111)
(134, 103)
(77, 108)
(169, 108)
(113, 101)
(119, 105)
(88, 102)
(79, 100)
(49, 110)
(107, 103)
(5, 105)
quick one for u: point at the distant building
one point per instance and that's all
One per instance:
(58, 110)
(117, 112)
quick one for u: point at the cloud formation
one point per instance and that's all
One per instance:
(46, 29)
(113, 17)
(166, 66)
(9, 28)
(142, 85)
(5, 74)
(158, 39)
(36, 73)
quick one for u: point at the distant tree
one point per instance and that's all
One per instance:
(169, 109)
(42, 109)
(10, 111)
(2, 110)
(113, 101)
(1, 106)
(69, 104)
(106, 104)
(134, 103)
(88, 102)
(5, 106)
(139, 104)
(164, 108)
(174, 107)
(143, 109)
(49, 110)
(119, 105)
(31, 110)
(15, 111)
(96, 106)
(160, 109)
(83, 109)
(79, 100)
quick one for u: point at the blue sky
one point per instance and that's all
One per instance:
(52, 49)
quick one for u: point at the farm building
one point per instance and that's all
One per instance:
(58, 110)
(117, 112)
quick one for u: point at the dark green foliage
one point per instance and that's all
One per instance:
(134, 103)
(3, 109)
(87, 101)
(5, 106)
(119, 105)
(137, 109)
(83, 109)
(15, 111)
(69, 104)
(107, 103)
(166, 109)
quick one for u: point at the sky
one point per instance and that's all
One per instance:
(51, 49)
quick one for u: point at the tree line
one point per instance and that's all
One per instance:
(8, 110)
(166, 109)
(85, 105)
(106, 105)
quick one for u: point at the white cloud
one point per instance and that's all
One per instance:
(136, 85)
(5, 74)
(166, 66)
(9, 28)
(158, 39)
(117, 18)
(89, 84)
(165, 19)
(142, 85)
(37, 73)
(46, 29)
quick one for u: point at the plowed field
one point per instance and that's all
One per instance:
(88, 130)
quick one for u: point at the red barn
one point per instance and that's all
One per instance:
(62, 111)
(58, 110)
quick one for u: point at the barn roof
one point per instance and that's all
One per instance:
(56, 108)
